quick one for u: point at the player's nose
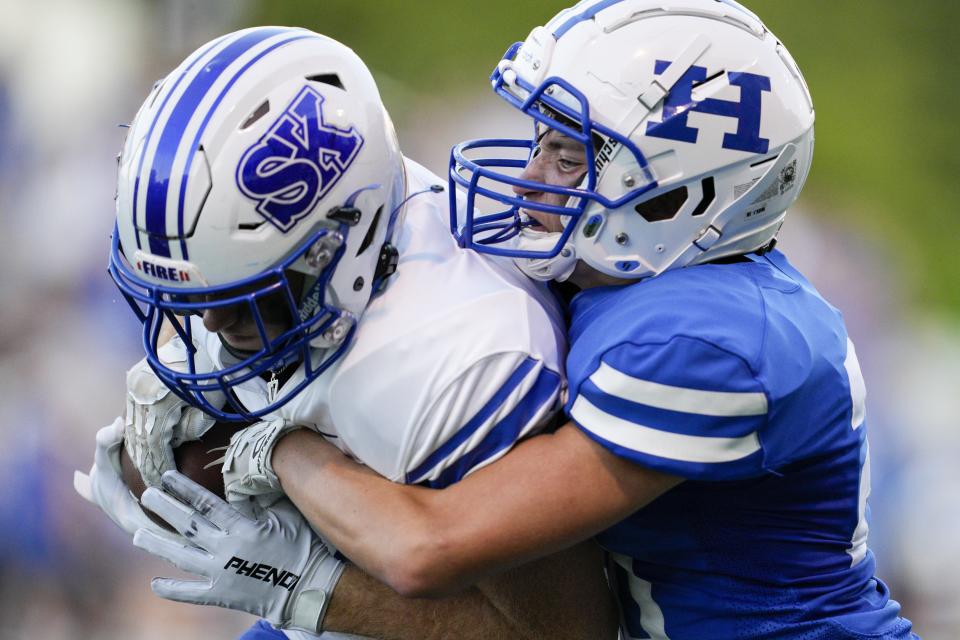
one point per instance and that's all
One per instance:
(216, 319)
(532, 172)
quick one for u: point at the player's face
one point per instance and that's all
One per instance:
(238, 328)
(557, 160)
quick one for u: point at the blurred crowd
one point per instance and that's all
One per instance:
(70, 73)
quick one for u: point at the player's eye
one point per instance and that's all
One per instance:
(567, 165)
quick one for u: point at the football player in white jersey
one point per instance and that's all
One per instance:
(717, 437)
(292, 269)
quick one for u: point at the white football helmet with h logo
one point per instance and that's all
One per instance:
(263, 168)
(697, 126)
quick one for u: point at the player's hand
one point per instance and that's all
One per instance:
(274, 567)
(157, 421)
(247, 470)
(104, 485)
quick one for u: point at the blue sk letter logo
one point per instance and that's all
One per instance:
(297, 161)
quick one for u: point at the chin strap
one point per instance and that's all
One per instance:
(559, 267)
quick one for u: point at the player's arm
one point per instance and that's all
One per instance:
(563, 596)
(277, 568)
(473, 421)
(644, 418)
(549, 493)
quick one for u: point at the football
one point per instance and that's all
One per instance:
(194, 459)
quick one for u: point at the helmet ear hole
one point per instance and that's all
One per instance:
(709, 194)
(331, 79)
(371, 231)
(665, 206)
(262, 109)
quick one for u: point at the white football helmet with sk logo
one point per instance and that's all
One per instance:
(263, 166)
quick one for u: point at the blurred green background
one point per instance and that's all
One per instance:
(883, 76)
(874, 230)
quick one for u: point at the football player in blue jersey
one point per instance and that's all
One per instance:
(716, 443)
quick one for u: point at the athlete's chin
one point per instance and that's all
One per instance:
(542, 222)
(242, 344)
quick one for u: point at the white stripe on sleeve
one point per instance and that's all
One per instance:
(663, 444)
(662, 396)
(858, 390)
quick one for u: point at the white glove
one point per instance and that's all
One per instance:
(273, 567)
(104, 486)
(157, 420)
(247, 470)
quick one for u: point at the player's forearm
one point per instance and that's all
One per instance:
(364, 606)
(564, 595)
(548, 493)
(421, 542)
(379, 525)
(561, 597)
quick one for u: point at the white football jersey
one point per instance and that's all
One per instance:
(455, 361)
(458, 358)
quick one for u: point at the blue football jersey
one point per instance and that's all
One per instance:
(741, 379)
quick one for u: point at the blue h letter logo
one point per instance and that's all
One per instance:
(679, 103)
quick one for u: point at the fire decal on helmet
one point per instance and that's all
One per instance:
(297, 161)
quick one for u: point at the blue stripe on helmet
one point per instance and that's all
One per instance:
(203, 126)
(153, 125)
(587, 14)
(176, 124)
